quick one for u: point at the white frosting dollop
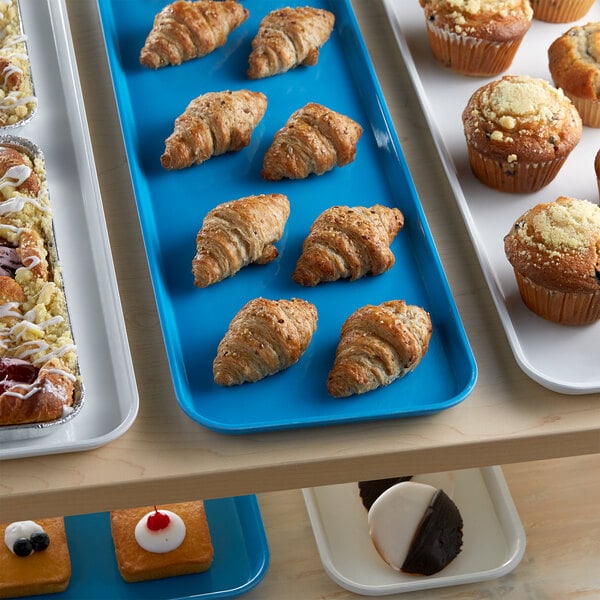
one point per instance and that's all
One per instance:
(20, 529)
(162, 540)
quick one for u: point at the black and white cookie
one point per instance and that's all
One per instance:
(416, 528)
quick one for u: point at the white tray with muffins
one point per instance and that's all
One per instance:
(67, 378)
(418, 532)
(516, 124)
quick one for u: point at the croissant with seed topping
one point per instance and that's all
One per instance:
(212, 124)
(289, 37)
(378, 345)
(348, 243)
(264, 337)
(237, 233)
(315, 139)
(184, 30)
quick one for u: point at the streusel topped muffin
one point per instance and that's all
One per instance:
(574, 63)
(519, 132)
(554, 249)
(476, 37)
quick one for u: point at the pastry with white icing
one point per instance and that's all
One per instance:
(152, 543)
(17, 97)
(39, 372)
(34, 558)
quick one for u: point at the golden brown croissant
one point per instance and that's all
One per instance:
(348, 242)
(237, 233)
(264, 337)
(378, 344)
(29, 395)
(212, 124)
(184, 30)
(314, 140)
(289, 37)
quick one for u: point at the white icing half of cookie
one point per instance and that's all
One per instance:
(162, 540)
(20, 529)
(395, 517)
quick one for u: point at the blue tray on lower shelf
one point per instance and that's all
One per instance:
(241, 558)
(172, 204)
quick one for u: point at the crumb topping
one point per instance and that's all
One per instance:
(524, 98)
(567, 225)
(465, 17)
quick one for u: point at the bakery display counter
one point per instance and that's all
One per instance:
(507, 418)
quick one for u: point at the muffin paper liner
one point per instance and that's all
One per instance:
(565, 308)
(588, 109)
(513, 177)
(470, 55)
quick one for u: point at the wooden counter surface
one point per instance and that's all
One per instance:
(508, 418)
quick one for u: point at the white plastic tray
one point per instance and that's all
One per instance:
(493, 537)
(59, 128)
(563, 359)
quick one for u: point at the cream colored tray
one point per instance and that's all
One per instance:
(59, 129)
(563, 359)
(493, 537)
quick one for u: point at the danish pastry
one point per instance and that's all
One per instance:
(237, 233)
(315, 139)
(264, 337)
(378, 345)
(289, 37)
(185, 30)
(346, 242)
(39, 373)
(212, 124)
(18, 101)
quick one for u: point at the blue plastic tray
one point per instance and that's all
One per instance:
(241, 558)
(171, 206)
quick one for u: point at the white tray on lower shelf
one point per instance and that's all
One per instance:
(493, 537)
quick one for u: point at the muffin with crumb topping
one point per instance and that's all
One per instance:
(574, 63)
(519, 132)
(560, 11)
(476, 37)
(554, 249)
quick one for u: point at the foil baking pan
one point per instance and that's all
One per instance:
(21, 38)
(33, 430)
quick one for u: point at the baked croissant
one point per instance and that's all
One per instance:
(237, 233)
(314, 140)
(185, 30)
(289, 37)
(264, 337)
(348, 243)
(212, 124)
(378, 344)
